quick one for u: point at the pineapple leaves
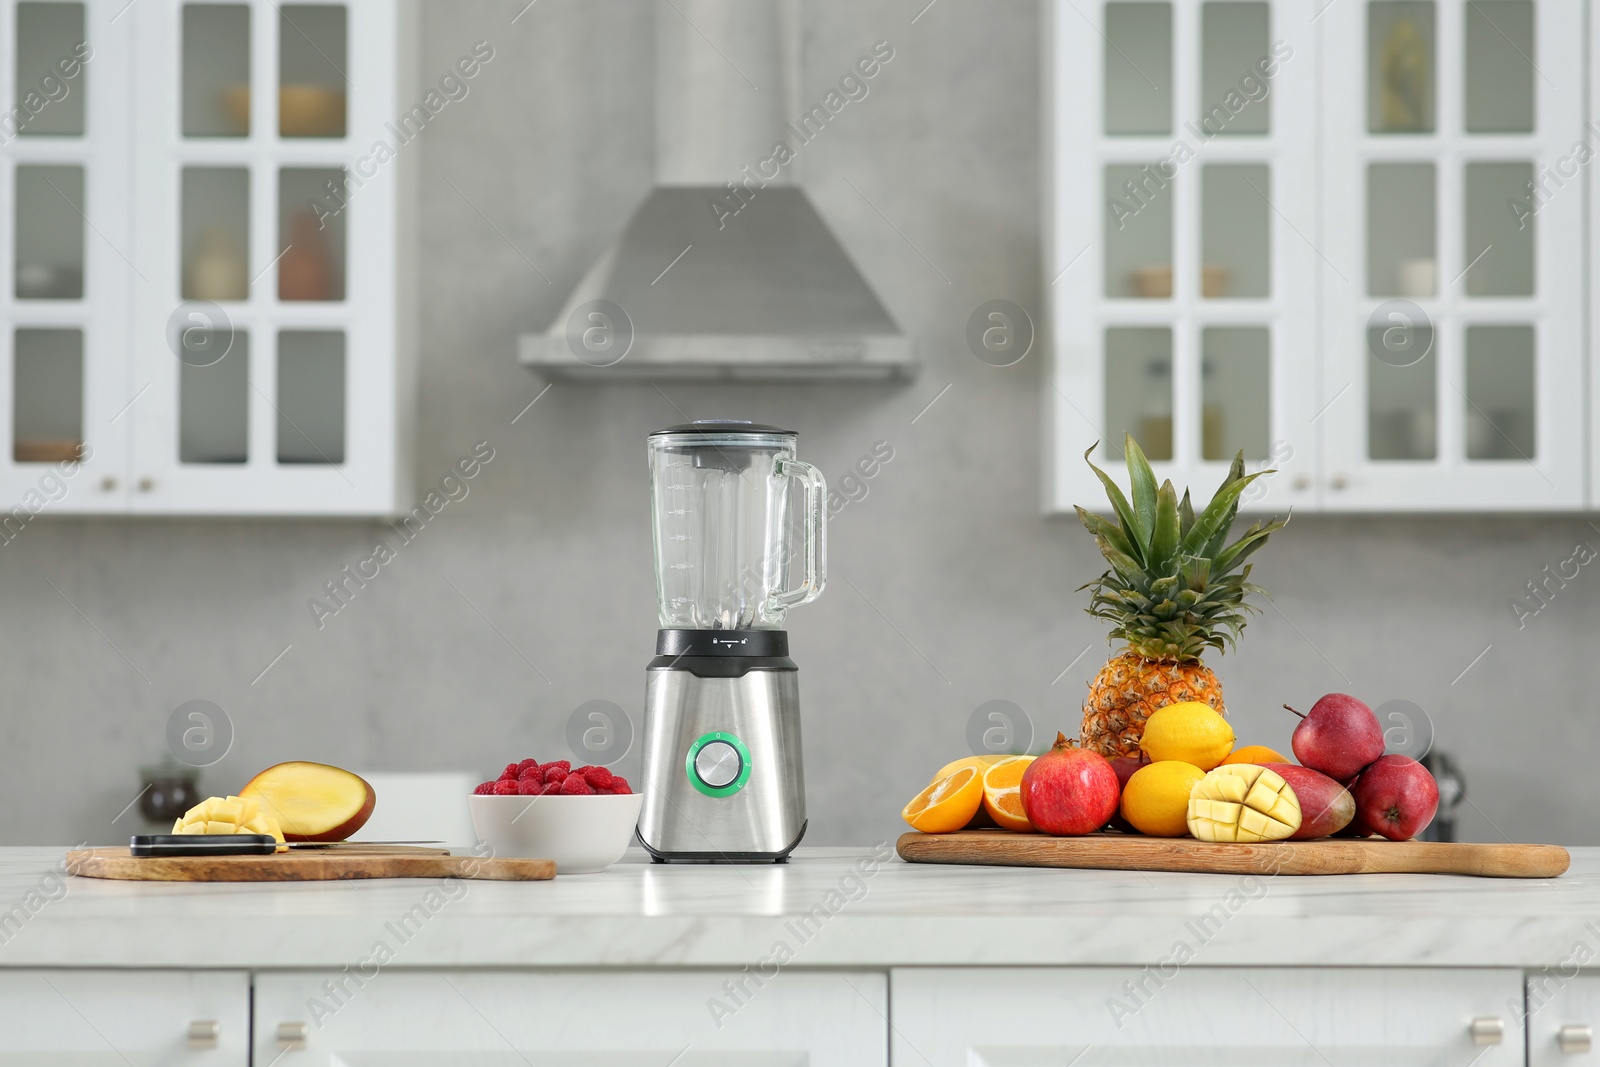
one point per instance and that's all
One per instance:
(1119, 504)
(1253, 539)
(1185, 514)
(1218, 515)
(1164, 533)
(1108, 531)
(1143, 482)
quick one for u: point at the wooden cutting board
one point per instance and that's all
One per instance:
(1126, 852)
(305, 865)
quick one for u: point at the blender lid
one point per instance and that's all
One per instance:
(724, 427)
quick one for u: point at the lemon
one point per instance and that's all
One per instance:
(1190, 732)
(1255, 754)
(1156, 798)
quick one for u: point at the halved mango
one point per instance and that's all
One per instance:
(313, 801)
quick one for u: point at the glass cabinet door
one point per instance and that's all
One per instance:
(1184, 283)
(70, 265)
(276, 393)
(1453, 323)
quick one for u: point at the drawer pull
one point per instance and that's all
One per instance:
(291, 1036)
(203, 1033)
(1487, 1030)
(1575, 1039)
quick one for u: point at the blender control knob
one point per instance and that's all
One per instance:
(717, 763)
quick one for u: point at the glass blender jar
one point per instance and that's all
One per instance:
(740, 532)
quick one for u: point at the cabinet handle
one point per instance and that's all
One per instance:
(203, 1033)
(1339, 481)
(146, 484)
(1487, 1030)
(108, 484)
(1302, 481)
(1575, 1039)
(291, 1036)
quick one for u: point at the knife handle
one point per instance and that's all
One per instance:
(149, 845)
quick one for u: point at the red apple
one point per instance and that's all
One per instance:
(1069, 790)
(1326, 807)
(1126, 765)
(1339, 736)
(1396, 797)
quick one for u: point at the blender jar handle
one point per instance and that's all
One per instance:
(816, 539)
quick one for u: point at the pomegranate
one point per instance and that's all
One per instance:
(1069, 790)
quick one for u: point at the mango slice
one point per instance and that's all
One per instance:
(1243, 802)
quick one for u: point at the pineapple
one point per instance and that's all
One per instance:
(1173, 591)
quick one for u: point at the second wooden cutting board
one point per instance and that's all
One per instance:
(321, 865)
(1126, 852)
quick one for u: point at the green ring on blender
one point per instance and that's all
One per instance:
(744, 764)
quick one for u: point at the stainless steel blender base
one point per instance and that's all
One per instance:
(723, 780)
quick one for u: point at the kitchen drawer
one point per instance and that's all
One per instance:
(1202, 1017)
(364, 1018)
(117, 1018)
(1563, 1016)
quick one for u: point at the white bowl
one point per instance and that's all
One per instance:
(583, 834)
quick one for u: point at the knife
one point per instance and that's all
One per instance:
(232, 844)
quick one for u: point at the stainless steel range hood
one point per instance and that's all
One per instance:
(723, 272)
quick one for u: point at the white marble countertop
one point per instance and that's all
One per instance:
(866, 908)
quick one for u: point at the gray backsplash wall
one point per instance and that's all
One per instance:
(535, 592)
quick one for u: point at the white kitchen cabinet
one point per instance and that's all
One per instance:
(1193, 1016)
(65, 275)
(1452, 295)
(68, 1018)
(1181, 169)
(1563, 1014)
(686, 1019)
(247, 323)
(1419, 333)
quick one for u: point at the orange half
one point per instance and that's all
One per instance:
(1255, 754)
(1002, 793)
(946, 805)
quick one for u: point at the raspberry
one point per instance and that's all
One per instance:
(510, 773)
(505, 787)
(574, 786)
(552, 790)
(598, 777)
(564, 764)
(485, 789)
(531, 775)
(619, 784)
(555, 774)
(530, 787)
(525, 766)
(619, 790)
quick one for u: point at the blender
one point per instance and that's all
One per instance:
(722, 778)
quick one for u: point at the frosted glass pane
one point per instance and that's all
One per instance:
(1138, 232)
(216, 233)
(52, 75)
(1138, 68)
(1500, 405)
(311, 229)
(1235, 375)
(1498, 238)
(311, 389)
(1400, 66)
(1402, 255)
(216, 70)
(1402, 402)
(1234, 96)
(312, 62)
(214, 404)
(47, 396)
(1139, 389)
(49, 228)
(1500, 66)
(1236, 230)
